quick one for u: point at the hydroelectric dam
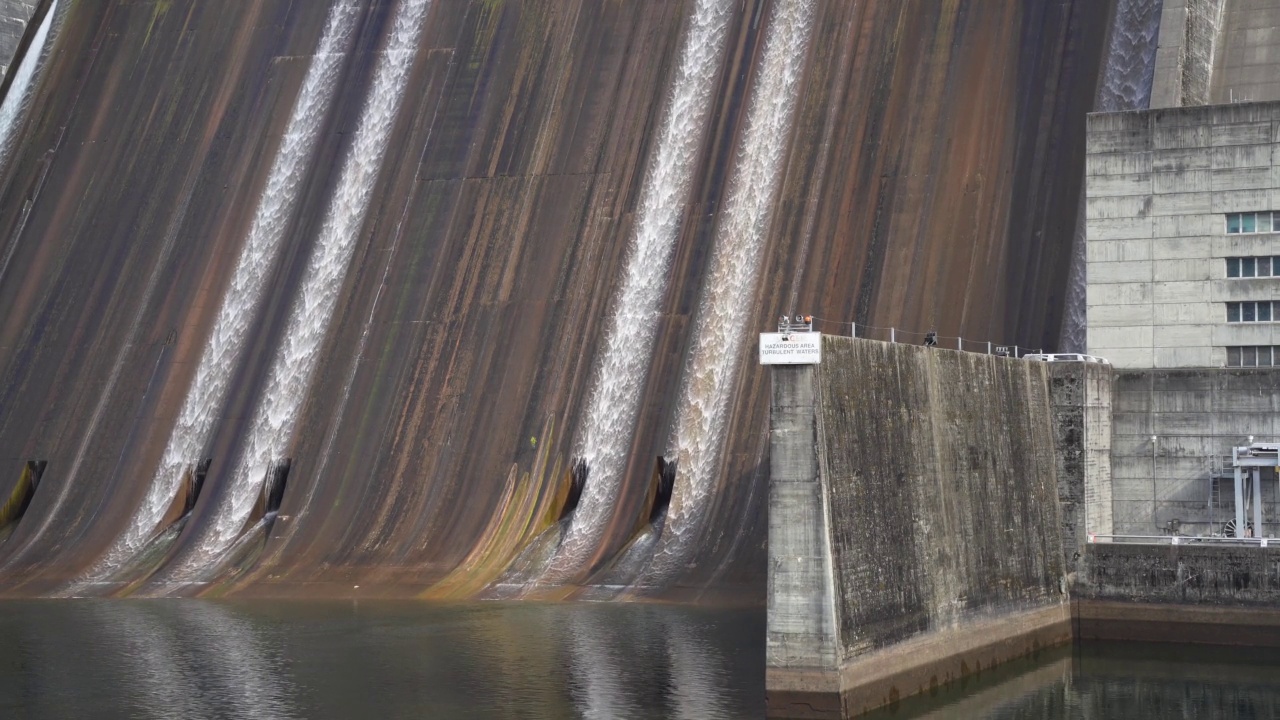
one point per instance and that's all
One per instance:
(459, 298)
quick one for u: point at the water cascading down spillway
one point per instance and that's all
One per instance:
(15, 102)
(1127, 75)
(609, 425)
(727, 309)
(230, 335)
(295, 361)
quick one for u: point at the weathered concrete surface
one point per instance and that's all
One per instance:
(15, 15)
(932, 176)
(1195, 415)
(1190, 31)
(1247, 61)
(1252, 626)
(1212, 594)
(802, 624)
(939, 474)
(1196, 574)
(1159, 186)
(1081, 397)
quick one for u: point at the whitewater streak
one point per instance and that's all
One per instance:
(628, 342)
(15, 101)
(227, 341)
(727, 301)
(295, 361)
(1127, 74)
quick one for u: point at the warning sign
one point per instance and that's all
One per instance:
(802, 348)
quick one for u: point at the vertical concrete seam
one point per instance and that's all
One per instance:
(828, 585)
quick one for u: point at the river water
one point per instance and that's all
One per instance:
(529, 661)
(196, 659)
(1114, 681)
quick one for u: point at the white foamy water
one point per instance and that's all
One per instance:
(609, 423)
(295, 361)
(1127, 74)
(280, 196)
(728, 300)
(15, 103)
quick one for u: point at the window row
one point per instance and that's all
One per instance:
(1253, 311)
(1253, 356)
(1253, 222)
(1247, 267)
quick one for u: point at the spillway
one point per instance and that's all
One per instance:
(16, 99)
(243, 296)
(273, 424)
(548, 240)
(726, 311)
(609, 423)
(1127, 74)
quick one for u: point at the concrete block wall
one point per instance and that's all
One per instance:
(1194, 414)
(1159, 184)
(14, 16)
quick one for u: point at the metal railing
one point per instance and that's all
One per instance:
(1183, 540)
(909, 337)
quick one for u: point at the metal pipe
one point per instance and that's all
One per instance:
(1155, 522)
(1257, 502)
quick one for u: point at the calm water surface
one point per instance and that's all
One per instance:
(195, 659)
(1114, 681)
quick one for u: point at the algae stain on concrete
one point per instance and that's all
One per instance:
(160, 8)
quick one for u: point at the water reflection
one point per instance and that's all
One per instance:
(195, 659)
(1105, 681)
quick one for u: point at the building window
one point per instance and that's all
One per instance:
(1253, 222)
(1253, 356)
(1247, 267)
(1252, 311)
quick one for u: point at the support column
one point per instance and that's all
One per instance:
(1239, 503)
(1257, 502)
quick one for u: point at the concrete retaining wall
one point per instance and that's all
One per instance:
(1194, 415)
(1182, 574)
(939, 501)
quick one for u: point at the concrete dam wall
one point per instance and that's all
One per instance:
(367, 261)
(916, 534)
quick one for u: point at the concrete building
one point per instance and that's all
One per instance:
(1183, 245)
(1183, 200)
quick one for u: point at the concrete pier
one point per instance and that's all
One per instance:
(915, 531)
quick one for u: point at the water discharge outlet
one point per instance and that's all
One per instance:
(271, 429)
(20, 499)
(728, 305)
(230, 334)
(607, 430)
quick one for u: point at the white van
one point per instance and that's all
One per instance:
(1066, 357)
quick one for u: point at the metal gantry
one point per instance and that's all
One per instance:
(1250, 459)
